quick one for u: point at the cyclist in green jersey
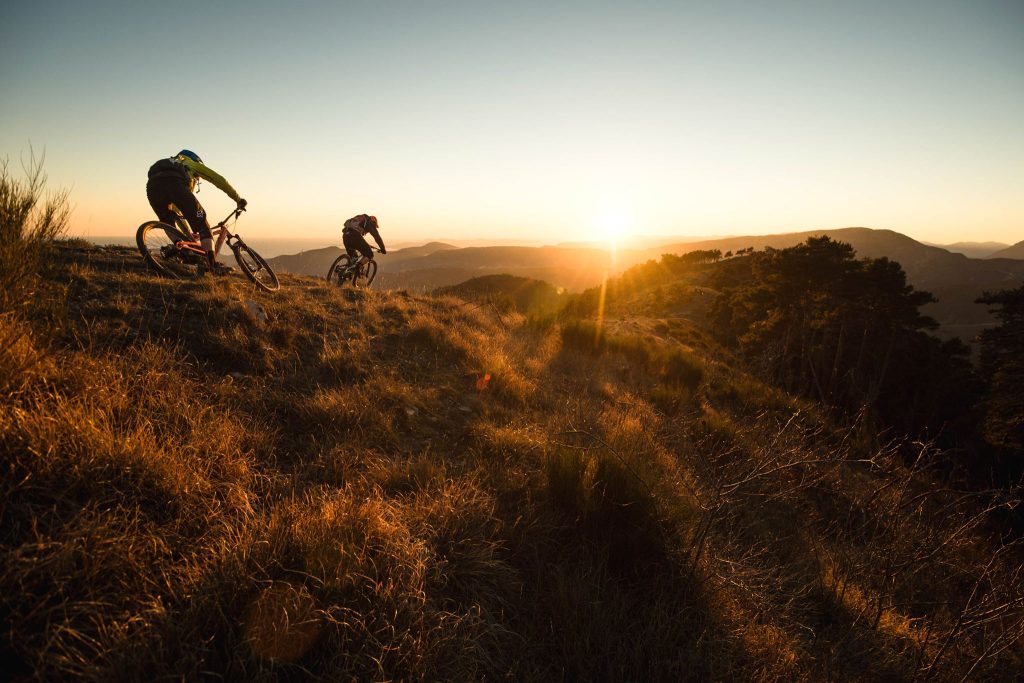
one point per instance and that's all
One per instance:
(172, 181)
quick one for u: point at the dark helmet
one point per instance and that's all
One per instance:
(191, 155)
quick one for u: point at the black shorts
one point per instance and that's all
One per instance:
(356, 243)
(162, 191)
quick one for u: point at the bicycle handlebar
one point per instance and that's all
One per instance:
(235, 213)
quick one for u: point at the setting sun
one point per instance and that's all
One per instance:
(615, 226)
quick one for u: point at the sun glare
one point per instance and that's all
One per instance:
(616, 226)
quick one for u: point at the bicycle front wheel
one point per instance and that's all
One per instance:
(254, 267)
(366, 273)
(157, 243)
(337, 273)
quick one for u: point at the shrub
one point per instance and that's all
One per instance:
(541, 321)
(584, 335)
(717, 429)
(29, 221)
(670, 397)
(681, 369)
(589, 336)
(637, 349)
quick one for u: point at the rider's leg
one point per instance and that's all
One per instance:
(160, 193)
(193, 212)
(356, 244)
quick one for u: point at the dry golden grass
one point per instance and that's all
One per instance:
(376, 486)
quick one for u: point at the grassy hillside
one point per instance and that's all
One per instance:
(203, 480)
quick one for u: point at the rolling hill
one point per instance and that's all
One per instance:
(509, 292)
(972, 249)
(1015, 251)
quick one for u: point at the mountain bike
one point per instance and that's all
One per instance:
(346, 269)
(174, 251)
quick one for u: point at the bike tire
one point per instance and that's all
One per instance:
(334, 273)
(255, 267)
(156, 241)
(365, 276)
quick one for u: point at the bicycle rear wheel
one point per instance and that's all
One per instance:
(254, 267)
(366, 273)
(156, 242)
(337, 274)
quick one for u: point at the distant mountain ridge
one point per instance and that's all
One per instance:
(316, 261)
(438, 264)
(1016, 251)
(955, 279)
(972, 249)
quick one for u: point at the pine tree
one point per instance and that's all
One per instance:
(1002, 364)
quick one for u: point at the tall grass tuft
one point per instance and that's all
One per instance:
(30, 219)
(681, 369)
(610, 503)
(584, 335)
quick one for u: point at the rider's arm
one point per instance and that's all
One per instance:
(207, 173)
(372, 229)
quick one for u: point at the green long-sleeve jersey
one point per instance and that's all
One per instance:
(198, 170)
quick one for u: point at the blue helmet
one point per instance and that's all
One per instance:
(191, 155)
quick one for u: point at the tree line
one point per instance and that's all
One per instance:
(850, 334)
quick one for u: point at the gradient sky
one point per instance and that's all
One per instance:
(532, 121)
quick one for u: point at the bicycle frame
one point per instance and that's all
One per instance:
(363, 259)
(357, 266)
(220, 231)
(361, 264)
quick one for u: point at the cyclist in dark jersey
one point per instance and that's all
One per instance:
(172, 182)
(353, 236)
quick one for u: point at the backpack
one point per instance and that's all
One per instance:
(168, 168)
(361, 223)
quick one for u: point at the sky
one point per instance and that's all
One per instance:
(531, 121)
